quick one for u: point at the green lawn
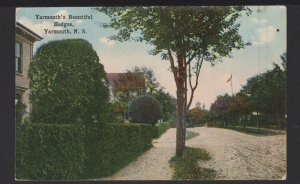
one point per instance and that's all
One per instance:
(186, 167)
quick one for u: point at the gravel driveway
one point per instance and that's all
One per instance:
(235, 156)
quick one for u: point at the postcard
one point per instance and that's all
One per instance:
(151, 93)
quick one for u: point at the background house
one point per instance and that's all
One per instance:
(134, 83)
(25, 39)
(124, 87)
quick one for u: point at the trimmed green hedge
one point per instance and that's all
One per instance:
(162, 128)
(112, 147)
(49, 151)
(77, 152)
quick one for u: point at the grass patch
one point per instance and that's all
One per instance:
(256, 131)
(190, 135)
(186, 167)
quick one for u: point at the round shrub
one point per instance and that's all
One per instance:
(145, 109)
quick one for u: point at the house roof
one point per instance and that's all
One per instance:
(20, 28)
(126, 80)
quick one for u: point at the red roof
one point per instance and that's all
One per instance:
(126, 80)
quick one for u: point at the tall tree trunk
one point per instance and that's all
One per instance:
(179, 74)
(181, 105)
(180, 140)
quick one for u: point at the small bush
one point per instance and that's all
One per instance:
(145, 109)
(49, 151)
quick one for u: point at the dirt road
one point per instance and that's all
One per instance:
(235, 156)
(239, 156)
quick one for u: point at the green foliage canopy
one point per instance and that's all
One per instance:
(208, 31)
(268, 91)
(167, 102)
(198, 116)
(67, 83)
(240, 104)
(221, 105)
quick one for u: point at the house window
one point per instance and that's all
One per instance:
(18, 57)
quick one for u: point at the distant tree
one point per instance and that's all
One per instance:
(119, 108)
(67, 83)
(168, 103)
(264, 93)
(240, 106)
(198, 116)
(186, 36)
(268, 91)
(265, 88)
(220, 108)
(151, 83)
(145, 109)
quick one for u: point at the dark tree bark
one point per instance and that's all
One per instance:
(180, 134)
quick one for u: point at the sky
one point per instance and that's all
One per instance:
(265, 28)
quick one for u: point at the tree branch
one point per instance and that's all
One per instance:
(196, 52)
(191, 58)
(198, 69)
(185, 86)
(173, 67)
